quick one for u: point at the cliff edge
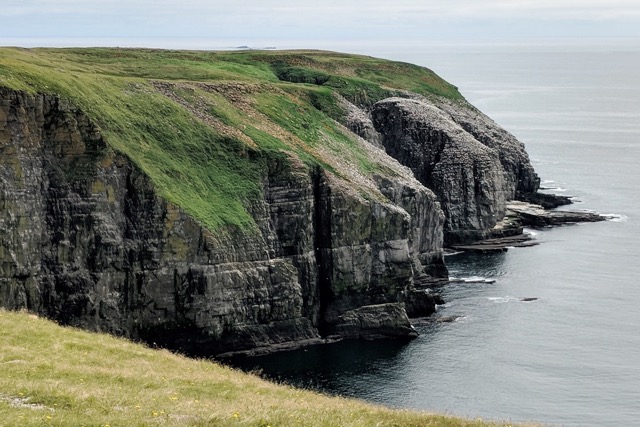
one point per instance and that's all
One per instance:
(227, 201)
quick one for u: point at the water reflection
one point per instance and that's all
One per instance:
(491, 264)
(325, 367)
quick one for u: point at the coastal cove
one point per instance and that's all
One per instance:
(570, 356)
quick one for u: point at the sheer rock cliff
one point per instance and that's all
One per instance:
(86, 240)
(472, 165)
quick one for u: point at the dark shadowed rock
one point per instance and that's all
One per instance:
(547, 201)
(421, 303)
(375, 321)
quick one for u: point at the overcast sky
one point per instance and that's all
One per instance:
(297, 23)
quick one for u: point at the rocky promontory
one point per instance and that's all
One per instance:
(241, 201)
(472, 165)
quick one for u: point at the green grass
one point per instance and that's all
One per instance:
(207, 147)
(358, 70)
(56, 376)
(192, 165)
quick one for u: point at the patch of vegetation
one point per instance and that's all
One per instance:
(359, 91)
(162, 64)
(299, 74)
(314, 128)
(202, 146)
(325, 100)
(360, 71)
(56, 376)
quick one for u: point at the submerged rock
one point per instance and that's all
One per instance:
(437, 319)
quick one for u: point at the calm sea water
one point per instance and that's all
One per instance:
(572, 357)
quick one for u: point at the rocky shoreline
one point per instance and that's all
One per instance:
(353, 199)
(387, 321)
(537, 216)
(525, 214)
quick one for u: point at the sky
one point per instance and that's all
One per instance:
(305, 23)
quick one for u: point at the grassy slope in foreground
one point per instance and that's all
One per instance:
(58, 376)
(202, 125)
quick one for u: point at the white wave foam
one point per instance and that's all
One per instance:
(452, 253)
(554, 189)
(502, 300)
(615, 217)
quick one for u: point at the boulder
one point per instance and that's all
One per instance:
(375, 321)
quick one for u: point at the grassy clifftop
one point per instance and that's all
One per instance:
(203, 124)
(65, 377)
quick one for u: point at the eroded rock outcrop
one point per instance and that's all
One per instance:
(86, 240)
(472, 164)
(467, 175)
(536, 216)
(519, 176)
(375, 321)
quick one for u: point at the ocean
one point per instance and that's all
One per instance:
(571, 357)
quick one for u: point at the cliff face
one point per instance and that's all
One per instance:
(472, 165)
(87, 241)
(220, 202)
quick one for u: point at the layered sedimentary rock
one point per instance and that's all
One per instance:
(472, 165)
(86, 240)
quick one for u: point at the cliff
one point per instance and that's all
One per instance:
(217, 202)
